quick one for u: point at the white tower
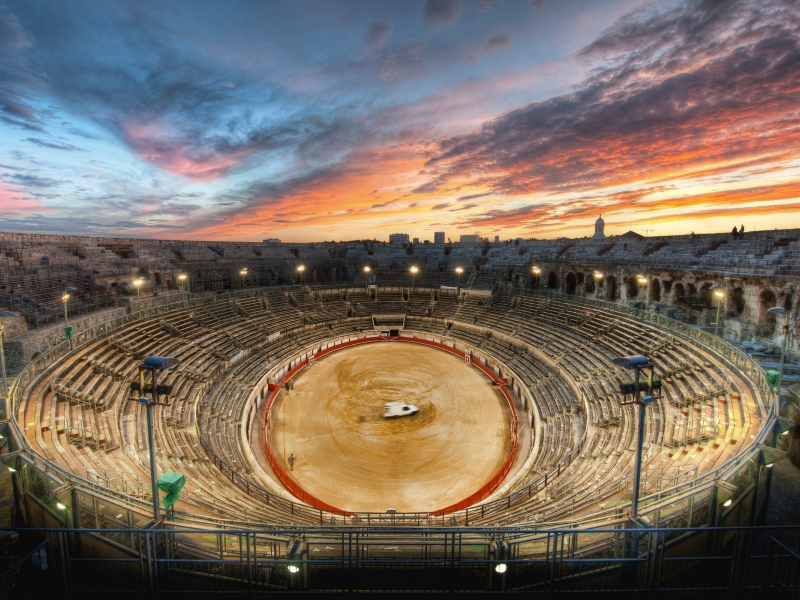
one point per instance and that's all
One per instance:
(599, 234)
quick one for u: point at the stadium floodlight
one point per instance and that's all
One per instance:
(637, 362)
(182, 278)
(243, 273)
(719, 292)
(598, 277)
(459, 270)
(536, 271)
(138, 284)
(300, 270)
(779, 310)
(154, 364)
(414, 271)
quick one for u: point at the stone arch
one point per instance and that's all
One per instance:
(589, 283)
(766, 319)
(581, 278)
(678, 290)
(691, 289)
(655, 290)
(633, 287)
(552, 281)
(571, 283)
(736, 302)
(704, 295)
(611, 288)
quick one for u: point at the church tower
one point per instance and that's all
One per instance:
(599, 225)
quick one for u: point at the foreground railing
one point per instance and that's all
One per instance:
(258, 562)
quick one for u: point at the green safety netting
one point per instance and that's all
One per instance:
(772, 378)
(172, 483)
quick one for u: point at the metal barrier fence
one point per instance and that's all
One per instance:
(169, 560)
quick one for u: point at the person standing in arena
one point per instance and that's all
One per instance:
(291, 461)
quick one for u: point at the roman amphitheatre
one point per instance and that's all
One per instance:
(522, 424)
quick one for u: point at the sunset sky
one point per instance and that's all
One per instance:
(340, 120)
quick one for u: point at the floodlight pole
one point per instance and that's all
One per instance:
(151, 439)
(637, 474)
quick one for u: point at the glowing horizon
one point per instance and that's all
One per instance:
(317, 121)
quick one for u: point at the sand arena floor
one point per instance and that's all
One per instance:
(349, 456)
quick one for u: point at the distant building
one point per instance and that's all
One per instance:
(632, 235)
(438, 237)
(416, 240)
(271, 241)
(398, 238)
(497, 239)
(470, 239)
(599, 225)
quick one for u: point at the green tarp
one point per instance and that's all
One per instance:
(68, 332)
(772, 378)
(171, 483)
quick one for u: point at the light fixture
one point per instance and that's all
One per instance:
(598, 275)
(12, 469)
(537, 270)
(65, 297)
(293, 569)
(61, 506)
(784, 433)
(414, 269)
(138, 281)
(719, 294)
(728, 502)
(769, 466)
(182, 276)
(641, 279)
(243, 272)
(367, 269)
(301, 268)
(501, 568)
(459, 270)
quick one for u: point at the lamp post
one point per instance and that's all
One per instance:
(3, 366)
(243, 273)
(536, 271)
(414, 271)
(459, 270)
(367, 269)
(153, 364)
(779, 310)
(300, 270)
(637, 363)
(720, 294)
(65, 298)
(642, 280)
(182, 279)
(598, 277)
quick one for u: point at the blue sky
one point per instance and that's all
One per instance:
(341, 120)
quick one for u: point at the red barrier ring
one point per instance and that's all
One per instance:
(481, 494)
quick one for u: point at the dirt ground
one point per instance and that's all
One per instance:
(348, 455)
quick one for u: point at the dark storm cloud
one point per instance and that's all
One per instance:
(33, 181)
(498, 42)
(53, 144)
(442, 12)
(704, 71)
(378, 35)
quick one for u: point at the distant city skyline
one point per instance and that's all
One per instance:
(313, 120)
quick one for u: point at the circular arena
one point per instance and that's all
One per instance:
(521, 441)
(244, 397)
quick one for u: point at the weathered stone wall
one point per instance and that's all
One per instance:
(23, 348)
(13, 326)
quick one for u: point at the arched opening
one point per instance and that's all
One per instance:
(787, 302)
(580, 278)
(655, 290)
(678, 292)
(766, 319)
(691, 289)
(736, 302)
(633, 287)
(552, 281)
(704, 295)
(571, 283)
(611, 287)
(589, 283)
